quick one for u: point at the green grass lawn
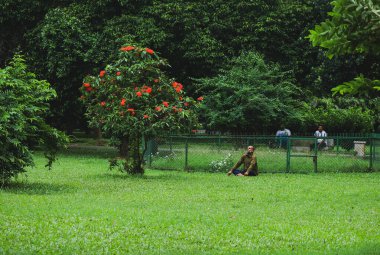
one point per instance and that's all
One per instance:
(80, 207)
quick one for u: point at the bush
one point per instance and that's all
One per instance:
(338, 117)
(23, 103)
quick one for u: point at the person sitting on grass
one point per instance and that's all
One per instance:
(249, 162)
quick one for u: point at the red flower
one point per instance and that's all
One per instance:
(180, 98)
(150, 51)
(128, 48)
(103, 103)
(118, 73)
(122, 103)
(148, 90)
(88, 89)
(200, 98)
(156, 80)
(102, 73)
(180, 109)
(86, 85)
(131, 111)
(186, 104)
(138, 93)
(146, 116)
(165, 103)
(158, 108)
(177, 86)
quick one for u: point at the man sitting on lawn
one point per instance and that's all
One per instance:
(250, 164)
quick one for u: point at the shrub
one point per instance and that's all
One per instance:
(23, 104)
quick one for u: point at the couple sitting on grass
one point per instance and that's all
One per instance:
(249, 162)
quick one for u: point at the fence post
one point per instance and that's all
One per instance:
(288, 155)
(337, 145)
(150, 150)
(371, 153)
(186, 153)
(170, 144)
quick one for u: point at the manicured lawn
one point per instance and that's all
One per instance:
(82, 208)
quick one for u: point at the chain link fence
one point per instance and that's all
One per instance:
(274, 154)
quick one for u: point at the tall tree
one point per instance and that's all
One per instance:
(249, 96)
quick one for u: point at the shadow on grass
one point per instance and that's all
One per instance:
(36, 188)
(169, 175)
(76, 150)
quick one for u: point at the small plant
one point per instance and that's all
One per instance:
(223, 165)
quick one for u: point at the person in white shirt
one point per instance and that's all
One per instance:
(321, 143)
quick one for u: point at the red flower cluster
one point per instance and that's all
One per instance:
(177, 86)
(158, 108)
(87, 86)
(127, 48)
(200, 98)
(150, 51)
(118, 73)
(131, 111)
(166, 104)
(156, 80)
(103, 103)
(146, 89)
(122, 103)
(146, 116)
(175, 109)
(102, 73)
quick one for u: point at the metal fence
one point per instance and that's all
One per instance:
(274, 154)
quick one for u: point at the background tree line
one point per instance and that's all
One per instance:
(250, 59)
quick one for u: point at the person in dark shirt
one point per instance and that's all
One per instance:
(249, 162)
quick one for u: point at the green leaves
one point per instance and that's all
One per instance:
(354, 27)
(248, 96)
(23, 105)
(359, 86)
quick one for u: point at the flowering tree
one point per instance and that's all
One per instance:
(132, 100)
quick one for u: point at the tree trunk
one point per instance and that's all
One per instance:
(130, 151)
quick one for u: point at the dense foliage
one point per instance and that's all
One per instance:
(132, 100)
(65, 40)
(339, 116)
(249, 96)
(354, 27)
(23, 106)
